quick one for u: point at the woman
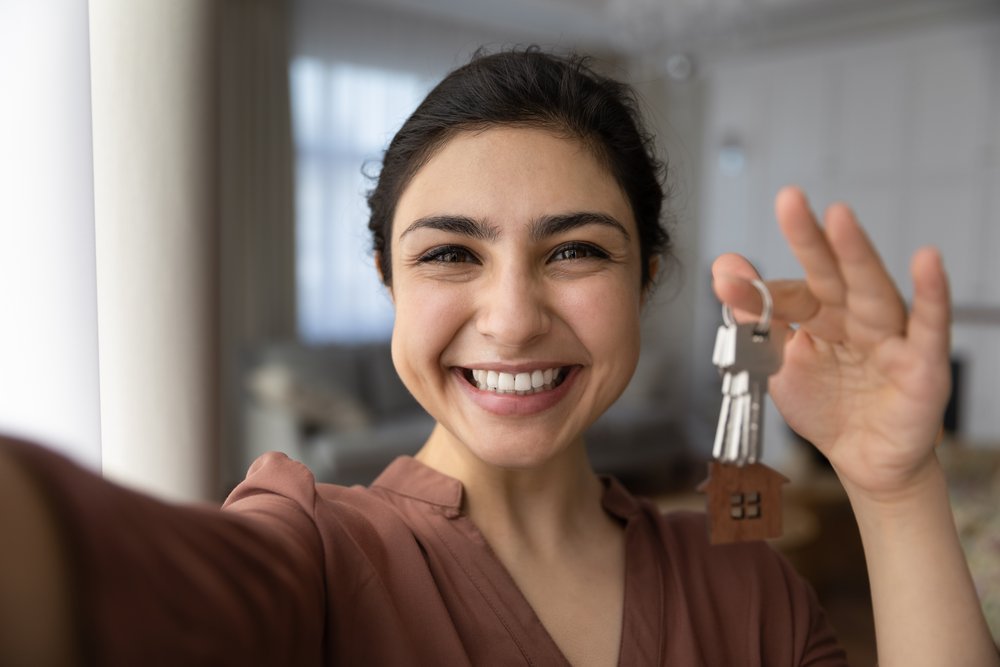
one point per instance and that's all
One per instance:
(517, 228)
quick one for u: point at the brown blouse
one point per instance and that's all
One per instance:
(297, 573)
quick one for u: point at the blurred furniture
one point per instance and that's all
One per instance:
(973, 471)
(343, 411)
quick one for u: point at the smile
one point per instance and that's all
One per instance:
(521, 384)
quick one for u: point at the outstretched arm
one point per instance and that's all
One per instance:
(92, 573)
(867, 383)
(37, 626)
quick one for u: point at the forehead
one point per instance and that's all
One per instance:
(511, 175)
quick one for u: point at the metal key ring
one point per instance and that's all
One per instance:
(764, 323)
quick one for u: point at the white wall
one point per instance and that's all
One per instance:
(904, 126)
(155, 182)
(48, 315)
(354, 32)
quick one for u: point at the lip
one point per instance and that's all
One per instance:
(513, 404)
(518, 367)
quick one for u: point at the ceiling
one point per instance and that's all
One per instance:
(664, 26)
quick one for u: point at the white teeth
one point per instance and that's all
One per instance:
(506, 382)
(520, 383)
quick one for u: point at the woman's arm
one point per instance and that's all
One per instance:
(925, 603)
(867, 382)
(112, 577)
(37, 626)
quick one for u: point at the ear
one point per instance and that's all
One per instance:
(654, 270)
(381, 276)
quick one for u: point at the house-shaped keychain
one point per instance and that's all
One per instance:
(744, 502)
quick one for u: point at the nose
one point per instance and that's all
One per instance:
(513, 308)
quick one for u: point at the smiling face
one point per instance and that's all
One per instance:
(516, 281)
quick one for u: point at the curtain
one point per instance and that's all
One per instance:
(257, 244)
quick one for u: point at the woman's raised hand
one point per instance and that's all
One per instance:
(863, 379)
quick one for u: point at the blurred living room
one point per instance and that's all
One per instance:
(185, 266)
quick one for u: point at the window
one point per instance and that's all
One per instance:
(744, 505)
(343, 117)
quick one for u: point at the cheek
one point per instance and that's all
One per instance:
(606, 320)
(426, 321)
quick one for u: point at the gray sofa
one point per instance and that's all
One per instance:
(343, 411)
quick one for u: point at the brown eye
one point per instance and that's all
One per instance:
(578, 251)
(450, 254)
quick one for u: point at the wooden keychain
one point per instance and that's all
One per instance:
(743, 494)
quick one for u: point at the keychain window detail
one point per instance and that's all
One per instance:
(744, 505)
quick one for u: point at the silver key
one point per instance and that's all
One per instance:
(747, 355)
(744, 385)
(723, 356)
(760, 356)
(738, 419)
(725, 415)
(725, 347)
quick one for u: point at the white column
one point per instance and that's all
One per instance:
(48, 311)
(153, 67)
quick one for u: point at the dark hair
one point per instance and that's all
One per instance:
(535, 89)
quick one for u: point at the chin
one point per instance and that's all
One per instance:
(523, 456)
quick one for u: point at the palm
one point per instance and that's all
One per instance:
(862, 380)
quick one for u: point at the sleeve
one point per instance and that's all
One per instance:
(160, 584)
(814, 639)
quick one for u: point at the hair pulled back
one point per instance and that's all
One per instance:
(533, 89)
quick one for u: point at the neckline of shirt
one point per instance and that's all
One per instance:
(406, 476)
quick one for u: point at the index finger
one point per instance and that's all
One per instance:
(810, 246)
(732, 277)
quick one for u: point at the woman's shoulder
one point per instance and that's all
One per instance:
(277, 486)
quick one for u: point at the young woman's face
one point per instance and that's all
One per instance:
(516, 281)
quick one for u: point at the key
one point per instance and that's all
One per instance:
(730, 392)
(736, 420)
(747, 358)
(743, 495)
(759, 354)
(725, 347)
(723, 356)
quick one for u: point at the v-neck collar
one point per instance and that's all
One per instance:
(411, 478)
(643, 616)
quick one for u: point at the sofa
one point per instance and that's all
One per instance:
(343, 411)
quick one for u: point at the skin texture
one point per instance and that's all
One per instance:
(517, 299)
(512, 303)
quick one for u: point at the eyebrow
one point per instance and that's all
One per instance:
(458, 224)
(544, 227)
(550, 225)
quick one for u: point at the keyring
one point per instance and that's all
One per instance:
(764, 324)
